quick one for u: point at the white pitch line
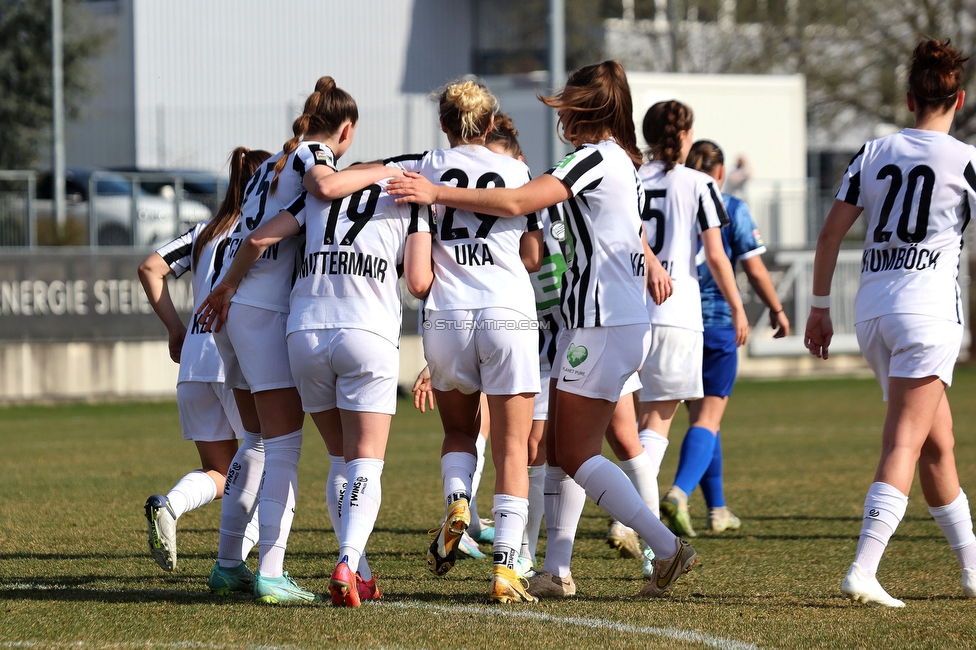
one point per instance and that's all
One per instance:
(596, 623)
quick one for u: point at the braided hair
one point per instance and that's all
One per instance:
(663, 124)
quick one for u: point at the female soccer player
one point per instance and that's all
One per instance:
(607, 330)
(546, 282)
(252, 344)
(478, 334)
(701, 449)
(682, 204)
(918, 190)
(208, 413)
(343, 335)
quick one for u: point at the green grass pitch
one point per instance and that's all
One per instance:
(75, 570)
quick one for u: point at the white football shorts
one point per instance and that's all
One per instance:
(494, 350)
(909, 345)
(672, 369)
(352, 369)
(208, 412)
(541, 409)
(599, 362)
(258, 353)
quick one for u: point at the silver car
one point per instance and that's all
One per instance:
(118, 212)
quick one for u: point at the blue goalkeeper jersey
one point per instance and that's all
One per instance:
(742, 240)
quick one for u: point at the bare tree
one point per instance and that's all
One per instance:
(854, 55)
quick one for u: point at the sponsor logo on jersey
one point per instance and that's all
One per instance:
(910, 258)
(344, 263)
(565, 162)
(558, 230)
(576, 355)
(757, 237)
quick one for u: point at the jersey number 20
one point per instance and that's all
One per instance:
(923, 174)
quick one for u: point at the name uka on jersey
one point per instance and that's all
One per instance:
(476, 254)
(910, 258)
(344, 263)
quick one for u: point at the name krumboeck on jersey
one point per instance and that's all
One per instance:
(916, 258)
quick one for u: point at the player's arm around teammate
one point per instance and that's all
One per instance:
(606, 335)
(917, 189)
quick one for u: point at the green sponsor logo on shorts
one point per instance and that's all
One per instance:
(577, 354)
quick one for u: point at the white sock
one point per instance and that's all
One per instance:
(564, 501)
(334, 487)
(537, 508)
(239, 503)
(884, 508)
(606, 484)
(956, 523)
(510, 514)
(279, 490)
(194, 490)
(360, 505)
(640, 471)
(252, 533)
(457, 469)
(655, 445)
(479, 445)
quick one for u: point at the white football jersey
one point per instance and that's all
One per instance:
(351, 262)
(199, 359)
(680, 206)
(918, 190)
(604, 283)
(268, 282)
(476, 256)
(547, 283)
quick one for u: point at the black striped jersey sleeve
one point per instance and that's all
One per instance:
(313, 154)
(711, 208)
(850, 185)
(581, 170)
(408, 162)
(178, 254)
(421, 219)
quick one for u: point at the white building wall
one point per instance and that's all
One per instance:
(760, 116)
(207, 77)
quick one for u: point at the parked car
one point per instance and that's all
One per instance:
(104, 200)
(203, 186)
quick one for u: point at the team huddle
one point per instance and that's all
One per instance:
(621, 264)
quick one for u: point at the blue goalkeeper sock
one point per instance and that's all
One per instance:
(696, 454)
(711, 482)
